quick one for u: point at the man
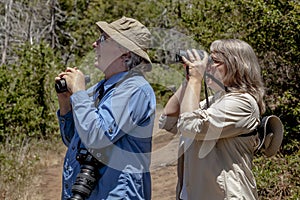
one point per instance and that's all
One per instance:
(112, 121)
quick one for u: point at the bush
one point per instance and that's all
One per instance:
(27, 97)
(28, 101)
(277, 177)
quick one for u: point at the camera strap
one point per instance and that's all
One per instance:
(206, 92)
(221, 85)
(102, 93)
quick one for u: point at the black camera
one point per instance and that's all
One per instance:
(88, 176)
(180, 53)
(61, 84)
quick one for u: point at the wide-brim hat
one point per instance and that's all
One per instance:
(129, 33)
(270, 135)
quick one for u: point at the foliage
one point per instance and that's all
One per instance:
(164, 80)
(17, 165)
(274, 35)
(27, 100)
(277, 177)
(65, 37)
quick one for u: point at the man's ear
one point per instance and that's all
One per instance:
(126, 60)
(126, 55)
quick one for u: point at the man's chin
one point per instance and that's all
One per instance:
(96, 64)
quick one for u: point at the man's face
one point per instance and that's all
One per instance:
(107, 52)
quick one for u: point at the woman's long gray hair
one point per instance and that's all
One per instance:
(243, 71)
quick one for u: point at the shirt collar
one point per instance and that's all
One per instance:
(114, 79)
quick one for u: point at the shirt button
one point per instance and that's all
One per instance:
(98, 155)
(73, 147)
(62, 120)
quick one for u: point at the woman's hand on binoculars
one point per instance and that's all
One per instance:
(195, 64)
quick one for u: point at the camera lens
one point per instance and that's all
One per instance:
(85, 182)
(61, 85)
(178, 56)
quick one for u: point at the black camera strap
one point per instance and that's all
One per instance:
(206, 92)
(220, 84)
(102, 93)
(226, 89)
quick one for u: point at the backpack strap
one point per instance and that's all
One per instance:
(270, 135)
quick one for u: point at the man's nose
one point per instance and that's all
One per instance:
(95, 44)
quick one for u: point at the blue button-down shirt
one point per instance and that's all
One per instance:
(118, 132)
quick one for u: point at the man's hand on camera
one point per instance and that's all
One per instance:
(195, 64)
(63, 99)
(75, 79)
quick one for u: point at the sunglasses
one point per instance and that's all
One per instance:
(101, 39)
(213, 64)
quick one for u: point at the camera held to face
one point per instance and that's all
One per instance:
(61, 85)
(180, 53)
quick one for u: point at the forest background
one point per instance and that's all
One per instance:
(40, 38)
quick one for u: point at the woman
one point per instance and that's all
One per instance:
(218, 137)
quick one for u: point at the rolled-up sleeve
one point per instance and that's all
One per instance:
(168, 123)
(229, 116)
(66, 126)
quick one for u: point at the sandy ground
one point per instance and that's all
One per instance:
(163, 169)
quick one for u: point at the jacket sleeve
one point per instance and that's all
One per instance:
(123, 109)
(230, 116)
(66, 127)
(168, 123)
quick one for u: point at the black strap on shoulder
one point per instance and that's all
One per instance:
(221, 85)
(101, 91)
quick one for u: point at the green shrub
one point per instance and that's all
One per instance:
(27, 96)
(28, 100)
(278, 177)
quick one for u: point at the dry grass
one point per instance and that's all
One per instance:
(32, 171)
(23, 168)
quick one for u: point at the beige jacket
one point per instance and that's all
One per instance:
(215, 161)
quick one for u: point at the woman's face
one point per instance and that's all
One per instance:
(107, 52)
(218, 70)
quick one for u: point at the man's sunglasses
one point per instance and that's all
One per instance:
(101, 39)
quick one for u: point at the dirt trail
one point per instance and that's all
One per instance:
(163, 169)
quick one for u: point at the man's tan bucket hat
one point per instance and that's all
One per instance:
(129, 33)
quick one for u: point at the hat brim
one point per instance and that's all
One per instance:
(122, 40)
(273, 126)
